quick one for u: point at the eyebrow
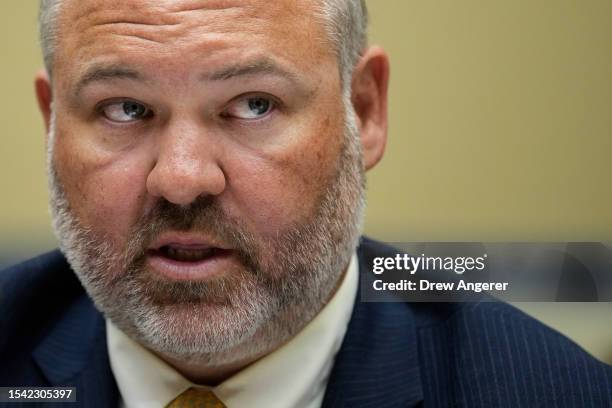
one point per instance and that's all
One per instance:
(256, 67)
(101, 73)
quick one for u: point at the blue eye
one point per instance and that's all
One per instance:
(250, 108)
(126, 111)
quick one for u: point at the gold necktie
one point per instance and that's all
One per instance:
(196, 398)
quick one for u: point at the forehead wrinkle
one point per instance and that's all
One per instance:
(146, 12)
(196, 5)
(109, 12)
(79, 15)
(158, 23)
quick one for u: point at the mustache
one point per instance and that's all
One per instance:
(204, 215)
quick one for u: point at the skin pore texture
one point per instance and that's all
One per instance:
(216, 122)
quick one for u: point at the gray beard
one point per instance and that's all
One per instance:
(283, 284)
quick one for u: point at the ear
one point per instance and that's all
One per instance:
(42, 84)
(369, 96)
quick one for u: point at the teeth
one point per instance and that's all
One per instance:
(187, 255)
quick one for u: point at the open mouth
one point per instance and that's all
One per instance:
(189, 256)
(179, 253)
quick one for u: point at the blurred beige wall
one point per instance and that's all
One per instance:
(501, 129)
(501, 120)
(24, 218)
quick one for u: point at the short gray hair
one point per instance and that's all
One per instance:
(346, 23)
(47, 25)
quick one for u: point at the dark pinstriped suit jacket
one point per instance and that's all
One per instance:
(484, 354)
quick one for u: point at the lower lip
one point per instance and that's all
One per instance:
(207, 268)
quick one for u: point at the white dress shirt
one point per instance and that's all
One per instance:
(294, 375)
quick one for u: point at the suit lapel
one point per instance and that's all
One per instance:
(74, 353)
(378, 362)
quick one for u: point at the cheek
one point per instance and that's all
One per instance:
(283, 187)
(106, 192)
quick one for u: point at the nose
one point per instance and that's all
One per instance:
(187, 165)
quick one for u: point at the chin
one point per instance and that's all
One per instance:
(200, 331)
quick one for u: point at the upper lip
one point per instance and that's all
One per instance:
(187, 240)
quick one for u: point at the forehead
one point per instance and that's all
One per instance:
(177, 32)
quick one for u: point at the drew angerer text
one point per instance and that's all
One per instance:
(425, 285)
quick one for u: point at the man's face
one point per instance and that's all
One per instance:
(206, 185)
